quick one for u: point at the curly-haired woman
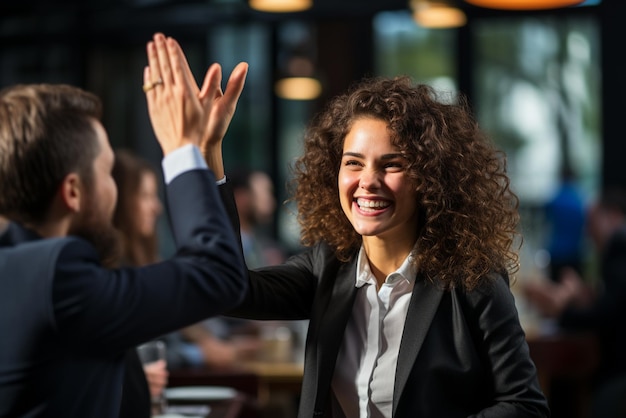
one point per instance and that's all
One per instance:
(410, 222)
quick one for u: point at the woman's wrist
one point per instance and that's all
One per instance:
(213, 157)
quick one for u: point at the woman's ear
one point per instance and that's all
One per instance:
(70, 192)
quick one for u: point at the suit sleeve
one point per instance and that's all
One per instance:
(117, 309)
(281, 292)
(501, 342)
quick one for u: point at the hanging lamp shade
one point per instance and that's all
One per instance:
(298, 81)
(280, 6)
(524, 4)
(437, 14)
(298, 88)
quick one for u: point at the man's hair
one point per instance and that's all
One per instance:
(46, 132)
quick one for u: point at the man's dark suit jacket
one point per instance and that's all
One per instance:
(136, 400)
(462, 354)
(66, 322)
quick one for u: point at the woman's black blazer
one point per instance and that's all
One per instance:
(461, 354)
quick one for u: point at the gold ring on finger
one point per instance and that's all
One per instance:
(149, 86)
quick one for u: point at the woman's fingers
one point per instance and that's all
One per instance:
(212, 85)
(235, 85)
(221, 106)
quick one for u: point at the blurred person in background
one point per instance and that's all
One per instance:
(599, 308)
(138, 208)
(565, 215)
(135, 218)
(253, 191)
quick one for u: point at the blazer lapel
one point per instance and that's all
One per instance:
(422, 308)
(331, 335)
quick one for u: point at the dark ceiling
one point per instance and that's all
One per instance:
(24, 20)
(27, 21)
(320, 7)
(214, 10)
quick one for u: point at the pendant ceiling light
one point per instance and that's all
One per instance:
(296, 72)
(298, 81)
(298, 88)
(437, 14)
(281, 6)
(524, 4)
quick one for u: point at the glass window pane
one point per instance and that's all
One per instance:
(248, 141)
(404, 48)
(537, 94)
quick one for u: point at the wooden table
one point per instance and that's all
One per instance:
(258, 381)
(226, 408)
(276, 377)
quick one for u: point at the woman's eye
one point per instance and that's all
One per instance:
(351, 162)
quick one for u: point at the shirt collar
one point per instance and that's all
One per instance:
(407, 271)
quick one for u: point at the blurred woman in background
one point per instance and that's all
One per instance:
(138, 208)
(135, 217)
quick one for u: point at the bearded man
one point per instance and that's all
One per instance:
(66, 321)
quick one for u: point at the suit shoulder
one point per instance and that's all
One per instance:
(320, 255)
(45, 247)
(51, 252)
(493, 290)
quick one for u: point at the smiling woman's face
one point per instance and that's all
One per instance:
(375, 192)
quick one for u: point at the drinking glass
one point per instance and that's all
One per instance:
(152, 352)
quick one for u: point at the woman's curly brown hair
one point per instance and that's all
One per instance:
(468, 214)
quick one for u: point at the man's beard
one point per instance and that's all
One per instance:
(101, 234)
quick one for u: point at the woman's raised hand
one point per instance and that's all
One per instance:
(221, 106)
(180, 112)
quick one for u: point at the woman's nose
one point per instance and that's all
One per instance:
(370, 179)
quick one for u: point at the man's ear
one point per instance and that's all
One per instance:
(70, 192)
